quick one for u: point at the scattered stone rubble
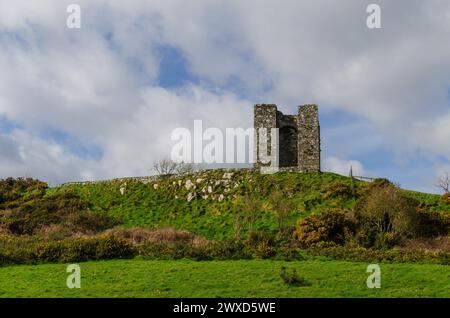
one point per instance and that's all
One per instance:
(200, 186)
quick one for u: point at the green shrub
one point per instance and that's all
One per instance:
(335, 225)
(254, 238)
(262, 243)
(138, 235)
(18, 250)
(54, 232)
(291, 278)
(247, 211)
(445, 198)
(282, 207)
(89, 222)
(383, 218)
(25, 209)
(35, 213)
(375, 184)
(362, 254)
(231, 249)
(386, 216)
(289, 253)
(338, 189)
(13, 190)
(433, 224)
(264, 251)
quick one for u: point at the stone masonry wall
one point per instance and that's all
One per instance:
(299, 136)
(265, 116)
(308, 138)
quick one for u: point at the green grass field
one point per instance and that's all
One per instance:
(253, 278)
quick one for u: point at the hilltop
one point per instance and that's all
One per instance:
(206, 202)
(221, 214)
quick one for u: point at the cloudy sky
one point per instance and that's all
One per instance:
(101, 101)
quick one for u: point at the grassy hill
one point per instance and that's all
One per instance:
(206, 202)
(76, 223)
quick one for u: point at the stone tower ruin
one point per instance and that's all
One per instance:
(298, 138)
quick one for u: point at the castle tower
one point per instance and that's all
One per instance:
(265, 116)
(308, 138)
(298, 144)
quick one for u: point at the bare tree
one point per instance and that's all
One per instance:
(444, 183)
(166, 167)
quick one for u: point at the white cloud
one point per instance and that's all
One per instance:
(25, 155)
(342, 166)
(100, 85)
(82, 83)
(132, 146)
(323, 52)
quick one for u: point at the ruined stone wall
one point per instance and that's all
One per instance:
(299, 136)
(265, 116)
(308, 138)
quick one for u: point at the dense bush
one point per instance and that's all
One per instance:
(165, 235)
(262, 243)
(54, 232)
(358, 253)
(382, 218)
(386, 216)
(335, 225)
(439, 243)
(445, 198)
(29, 215)
(338, 189)
(89, 222)
(231, 249)
(25, 208)
(222, 250)
(172, 251)
(12, 190)
(151, 244)
(433, 224)
(16, 249)
(258, 245)
(289, 253)
(375, 184)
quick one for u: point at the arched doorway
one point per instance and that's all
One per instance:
(288, 146)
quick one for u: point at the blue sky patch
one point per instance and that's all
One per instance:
(74, 145)
(173, 71)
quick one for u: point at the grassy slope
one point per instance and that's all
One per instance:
(143, 205)
(164, 203)
(255, 278)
